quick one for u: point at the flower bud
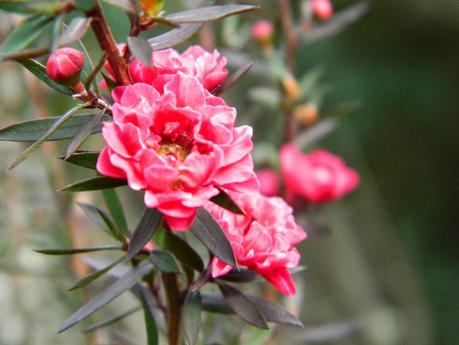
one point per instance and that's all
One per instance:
(306, 114)
(322, 9)
(262, 32)
(64, 66)
(291, 87)
(151, 8)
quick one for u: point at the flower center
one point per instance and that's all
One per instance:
(174, 150)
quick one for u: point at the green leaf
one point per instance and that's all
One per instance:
(93, 276)
(126, 5)
(56, 125)
(174, 37)
(209, 13)
(39, 71)
(17, 6)
(243, 306)
(25, 33)
(150, 324)
(95, 183)
(85, 159)
(116, 209)
(182, 250)
(149, 222)
(75, 31)
(56, 33)
(315, 133)
(230, 81)
(73, 251)
(240, 276)
(224, 200)
(93, 71)
(211, 235)
(112, 320)
(164, 261)
(102, 220)
(191, 317)
(214, 303)
(84, 133)
(122, 284)
(140, 49)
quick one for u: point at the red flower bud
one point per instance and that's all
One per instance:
(322, 9)
(262, 32)
(64, 66)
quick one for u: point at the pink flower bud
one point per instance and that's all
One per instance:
(322, 9)
(269, 182)
(262, 31)
(64, 66)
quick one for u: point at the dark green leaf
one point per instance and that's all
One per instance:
(39, 71)
(75, 31)
(84, 159)
(116, 209)
(112, 320)
(191, 317)
(243, 306)
(150, 324)
(273, 312)
(164, 261)
(207, 230)
(15, 6)
(59, 122)
(151, 219)
(224, 200)
(230, 81)
(122, 284)
(102, 220)
(93, 71)
(182, 250)
(93, 276)
(140, 49)
(174, 37)
(215, 304)
(207, 14)
(73, 251)
(95, 183)
(241, 276)
(25, 33)
(84, 133)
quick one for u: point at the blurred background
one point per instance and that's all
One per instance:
(382, 263)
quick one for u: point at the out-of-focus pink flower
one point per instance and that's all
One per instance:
(208, 68)
(318, 177)
(178, 146)
(269, 182)
(262, 31)
(64, 66)
(322, 9)
(263, 239)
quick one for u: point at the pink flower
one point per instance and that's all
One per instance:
(318, 177)
(322, 9)
(269, 182)
(64, 66)
(208, 68)
(263, 239)
(262, 31)
(180, 147)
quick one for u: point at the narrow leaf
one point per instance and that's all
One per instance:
(95, 183)
(164, 261)
(207, 14)
(243, 306)
(191, 317)
(102, 220)
(224, 200)
(75, 31)
(150, 324)
(151, 219)
(241, 276)
(211, 235)
(84, 133)
(273, 312)
(215, 303)
(316, 132)
(116, 209)
(56, 33)
(93, 276)
(112, 320)
(140, 49)
(182, 250)
(85, 159)
(124, 283)
(56, 125)
(174, 37)
(230, 81)
(73, 251)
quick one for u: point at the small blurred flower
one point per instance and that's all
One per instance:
(317, 177)
(269, 182)
(262, 32)
(64, 66)
(322, 9)
(306, 114)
